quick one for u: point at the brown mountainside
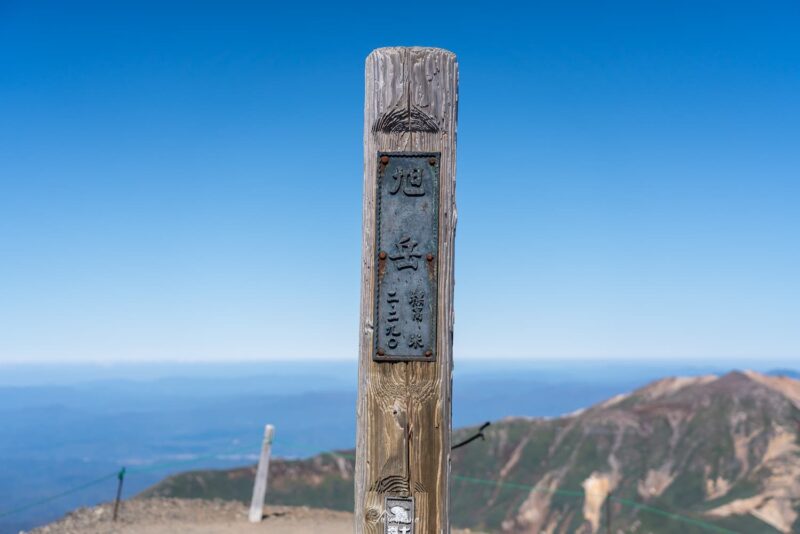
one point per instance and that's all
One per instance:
(682, 455)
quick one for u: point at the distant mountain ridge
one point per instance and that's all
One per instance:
(791, 373)
(90, 423)
(680, 455)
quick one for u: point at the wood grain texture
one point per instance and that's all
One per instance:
(404, 408)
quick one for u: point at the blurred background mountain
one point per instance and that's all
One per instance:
(681, 455)
(63, 426)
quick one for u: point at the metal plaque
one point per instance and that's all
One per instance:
(407, 253)
(399, 515)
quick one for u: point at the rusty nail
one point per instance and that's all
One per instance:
(428, 353)
(432, 161)
(382, 255)
(381, 352)
(384, 159)
(430, 257)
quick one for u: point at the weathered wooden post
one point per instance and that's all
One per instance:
(406, 326)
(262, 472)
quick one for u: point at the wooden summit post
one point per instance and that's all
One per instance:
(406, 325)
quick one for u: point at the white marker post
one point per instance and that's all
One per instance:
(260, 486)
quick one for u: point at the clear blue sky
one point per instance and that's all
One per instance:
(182, 180)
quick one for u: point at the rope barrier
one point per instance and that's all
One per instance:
(581, 494)
(473, 480)
(59, 495)
(117, 475)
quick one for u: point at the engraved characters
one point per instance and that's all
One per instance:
(407, 236)
(406, 256)
(415, 341)
(391, 329)
(409, 180)
(416, 299)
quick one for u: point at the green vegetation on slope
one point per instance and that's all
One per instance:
(673, 453)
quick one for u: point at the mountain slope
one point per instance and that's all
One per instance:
(679, 455)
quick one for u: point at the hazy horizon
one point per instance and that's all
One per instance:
(66, 424)
(343, 373)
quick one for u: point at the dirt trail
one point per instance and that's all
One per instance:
(187, 516)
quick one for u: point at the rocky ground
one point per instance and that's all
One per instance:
(195, 516)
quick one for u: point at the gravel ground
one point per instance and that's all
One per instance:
(173, 516)
(187, 516)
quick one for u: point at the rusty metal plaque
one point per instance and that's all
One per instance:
(399, 515)
(407, 253)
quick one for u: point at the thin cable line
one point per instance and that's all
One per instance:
(462, 478)
(59, 495)
(581, 494)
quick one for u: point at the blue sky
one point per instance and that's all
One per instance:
(182, 180)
